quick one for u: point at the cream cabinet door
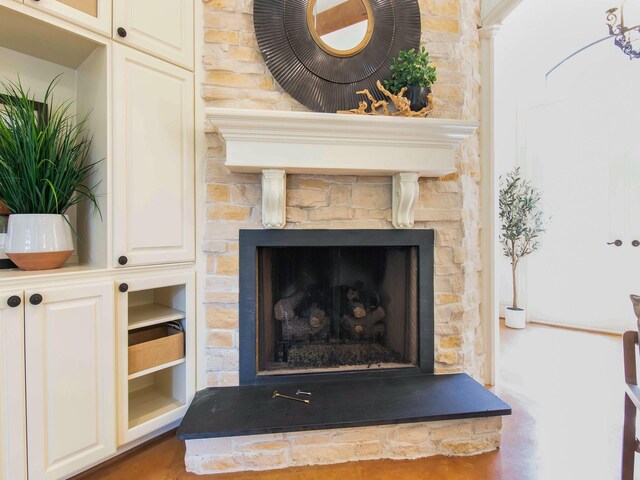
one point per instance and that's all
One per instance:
(163, 29)
(70, 372)
(154, 160)
(13, 446)
(92, 14)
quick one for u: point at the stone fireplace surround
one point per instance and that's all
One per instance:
(310, 185)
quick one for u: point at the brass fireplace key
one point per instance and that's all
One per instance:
(275, 394)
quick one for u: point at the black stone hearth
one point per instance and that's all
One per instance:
(388, 274)
(251, 410)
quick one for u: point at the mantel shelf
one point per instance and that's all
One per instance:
(332, 144)
(277, 143)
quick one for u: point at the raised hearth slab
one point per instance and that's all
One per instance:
(251, 410)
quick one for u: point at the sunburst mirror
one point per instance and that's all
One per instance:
(322, 51)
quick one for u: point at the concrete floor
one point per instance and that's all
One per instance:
(565, 388)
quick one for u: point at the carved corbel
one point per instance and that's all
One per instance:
(405, 198)
(274, 198)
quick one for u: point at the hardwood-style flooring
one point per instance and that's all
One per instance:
(565, 388)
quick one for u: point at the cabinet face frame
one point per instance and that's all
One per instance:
(72, 384)
(125, 113)
(188, 390)
(101, 23)
(163, 42)
(13, 438)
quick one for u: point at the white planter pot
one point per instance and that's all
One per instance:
(515, 318)
(39, 241)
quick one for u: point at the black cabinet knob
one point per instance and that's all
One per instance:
(123, 260)
(35, 299)
(14, 301)
(617, 243)
(123, 287)
(636, 243)
(122, 32)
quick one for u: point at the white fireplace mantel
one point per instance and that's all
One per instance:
(276, 143)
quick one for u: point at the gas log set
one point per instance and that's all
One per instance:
(319, 309)
(308, 328)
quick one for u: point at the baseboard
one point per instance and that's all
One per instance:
(579, 328)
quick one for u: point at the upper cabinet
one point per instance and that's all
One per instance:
(92, 14)
(153, 219)
(163, 29)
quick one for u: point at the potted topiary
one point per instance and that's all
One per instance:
(413, 70)
(521, 224)
(44, 170)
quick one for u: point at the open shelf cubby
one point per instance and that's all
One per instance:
(81, 64)
(156, 305)
(156, 394)
(157, 355)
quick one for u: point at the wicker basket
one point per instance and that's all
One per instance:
(153, 346)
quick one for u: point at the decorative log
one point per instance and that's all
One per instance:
(360, 300)
(368, 326)
(285, 309)
(308, 327)
(356, 309)
(316, 317)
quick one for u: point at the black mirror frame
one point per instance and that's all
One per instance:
(317, 79)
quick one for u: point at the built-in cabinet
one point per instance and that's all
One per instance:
(68, 399)
(164, 29)
(13, 439)
(159, 394)
(57, 369)
(70, 367)
(92, 14)
(154, 164)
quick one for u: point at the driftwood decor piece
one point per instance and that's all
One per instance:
(381, 107)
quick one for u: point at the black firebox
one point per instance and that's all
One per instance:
(335, 304)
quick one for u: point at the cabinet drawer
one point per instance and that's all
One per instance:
(153, 346)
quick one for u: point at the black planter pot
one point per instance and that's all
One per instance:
(418, 97)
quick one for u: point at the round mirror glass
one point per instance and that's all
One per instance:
(341, 28)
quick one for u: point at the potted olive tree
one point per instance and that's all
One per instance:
(44, 170)
(522, 223)
(412, 69)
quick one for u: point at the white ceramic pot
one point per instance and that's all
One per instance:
(39, 241)
(515, 318)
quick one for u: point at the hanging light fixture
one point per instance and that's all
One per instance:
(627, 38)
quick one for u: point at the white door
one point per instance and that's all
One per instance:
(590, 181)
(163, 29)
(92, 14)
(13, 446)
(70, 366)
(154, 160)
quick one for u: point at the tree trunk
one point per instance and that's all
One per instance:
(514, 267)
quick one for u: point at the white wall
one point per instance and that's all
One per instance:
(574, 135)
(36, 74)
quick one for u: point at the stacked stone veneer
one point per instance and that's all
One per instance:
(264, 452)
(237, 77)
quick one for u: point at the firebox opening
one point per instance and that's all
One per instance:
(336, 307)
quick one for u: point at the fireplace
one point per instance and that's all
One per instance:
(315, 303)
